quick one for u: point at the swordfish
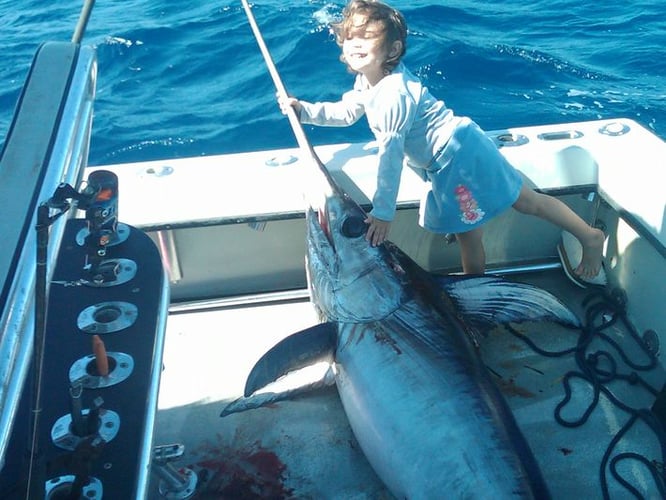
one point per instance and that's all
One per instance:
(418, 397)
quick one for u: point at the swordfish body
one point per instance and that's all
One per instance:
(417, 396)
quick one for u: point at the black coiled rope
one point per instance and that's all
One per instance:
(600, 368)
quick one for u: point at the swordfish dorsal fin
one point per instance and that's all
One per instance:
(489, 300)
(294, 352)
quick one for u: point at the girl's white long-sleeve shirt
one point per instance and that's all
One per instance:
(469, 180)
(409, 125)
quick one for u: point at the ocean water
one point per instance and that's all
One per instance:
(180, 79)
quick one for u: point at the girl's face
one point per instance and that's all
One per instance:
(364, 48)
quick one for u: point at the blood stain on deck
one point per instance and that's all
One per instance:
(254, 473)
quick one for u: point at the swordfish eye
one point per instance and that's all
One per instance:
(354, 226)
(352, 219)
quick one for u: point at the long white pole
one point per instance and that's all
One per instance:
(296, 126)
(83, 21)
(325, 187)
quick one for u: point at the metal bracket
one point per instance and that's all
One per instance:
(175, 483)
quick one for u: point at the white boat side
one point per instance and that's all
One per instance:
(47, 145)
(231, 225)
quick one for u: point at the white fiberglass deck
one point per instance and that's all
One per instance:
(294, 449)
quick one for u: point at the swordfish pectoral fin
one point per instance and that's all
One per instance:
(489, 300)
(296, 352)
(299, 350)
(262, 399)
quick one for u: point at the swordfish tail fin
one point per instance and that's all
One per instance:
(299, 350)
(489, 300)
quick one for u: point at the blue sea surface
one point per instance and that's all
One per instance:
(181, 79)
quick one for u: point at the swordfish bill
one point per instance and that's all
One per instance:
(417, 396)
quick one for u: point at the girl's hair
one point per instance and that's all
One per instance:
(395, 27)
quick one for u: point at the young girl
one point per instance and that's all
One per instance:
(471, 181)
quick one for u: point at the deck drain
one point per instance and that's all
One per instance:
(107, 317)
(85, 370)
(558, 136)
(510, 140)
(614, 129)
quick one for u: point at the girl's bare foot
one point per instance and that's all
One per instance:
(593, 247)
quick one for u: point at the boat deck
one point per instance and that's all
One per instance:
(304, 448)
(294, 449)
